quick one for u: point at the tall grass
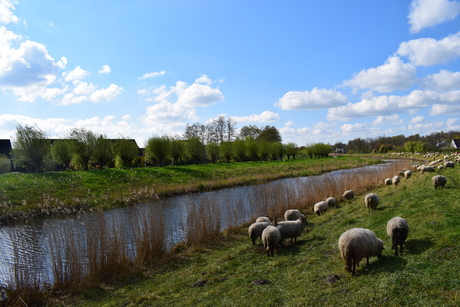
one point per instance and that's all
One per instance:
(114, 246)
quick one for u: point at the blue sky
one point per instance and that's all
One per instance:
(319, 71)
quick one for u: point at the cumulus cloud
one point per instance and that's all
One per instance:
(6, 12)
(105, 69)
(264, 117)
(442, 81)
(440, 109)
(178, 102)
(390, 105)
(311, 100)
(393, 75)
(427, 13)
(383, 120)
(428, 51)
(151, 75)
(417, 120)
(76, 74)
(358, 128)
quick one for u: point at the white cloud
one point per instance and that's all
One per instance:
(428, 51)
(417, 120)
(393, 75)
(76, 74)
(6, 12)
(126, 117)
(440, 109)
(179, 102)
(427, 13)
(390, 105)
(358, 128)
(383, 120)
(310, 100)
(105, 69)
(442, 81)
(152, 75)
(106, 94)
(264, 117)
(204, 79)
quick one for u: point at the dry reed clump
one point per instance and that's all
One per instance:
(203, 221)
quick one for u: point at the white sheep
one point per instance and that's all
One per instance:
(395, 180)
(349, 194)
(331, 201)
(407, 174)
(398, 230)
(371, 201)
(291, 229)
(271, 237)
(439, 181)
(321, 207)
(263, 219)
(292, 214)
(255, 230)
(356, 244)
(449, 164)
(388, 181)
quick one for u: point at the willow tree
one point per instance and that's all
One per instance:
(30, 147)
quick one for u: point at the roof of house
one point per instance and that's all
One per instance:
(456, 143)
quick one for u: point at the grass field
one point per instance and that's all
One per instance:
(230, 271)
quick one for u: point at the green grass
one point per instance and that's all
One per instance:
(426, 274)
(28, 195)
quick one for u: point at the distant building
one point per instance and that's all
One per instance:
(5, 148)
(455, 143)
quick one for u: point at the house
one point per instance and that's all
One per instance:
(5, 147)
(455, 143)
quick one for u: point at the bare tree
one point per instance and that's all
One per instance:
(231, 123)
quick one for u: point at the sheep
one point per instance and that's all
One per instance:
(271, 237)
(255, 230)
(292, 214)
(397, 229)
(401, 173)
(371, 201)
(388, 181)
(263, 219)
(349, 194)
(449, 164)
(291, 229)
(331, 201)
(427, 169)
(321, 207)
(407, 174)
(396, 180)
(356, 244)
(439, 181)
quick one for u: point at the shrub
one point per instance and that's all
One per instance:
(5, 164)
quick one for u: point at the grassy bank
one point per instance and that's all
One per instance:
(27, 195)
(230, 271)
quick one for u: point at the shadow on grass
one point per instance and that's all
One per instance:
(417, 246)
(389, 263)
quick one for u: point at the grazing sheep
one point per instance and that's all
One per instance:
(449, 164)
(321, 207)
(349, 194)
(397, 229)
(271, 237)
(356, 244)
(263, 219)
(439, 181)
(401, 173)
(331, 201)
(292, 214)
(291, 229)
(396, 180)
(255, 230)
(371, 201)
(407, 174)
(388, 181)
(427, 169)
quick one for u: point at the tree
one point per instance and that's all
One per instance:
(60, 151)
(239, 150)
(158, 149)
(226, 150)
(195, 150)
(212, 150)
(250, 132)
(264, 149)
(196, 130)
(290, 150)
(125, 150)
(103, 152)
(319, 150)
(82, 145)
(231, 123)
(177, 149)
(30, 147)
(276, 150)
(269, 134)
(252, 149)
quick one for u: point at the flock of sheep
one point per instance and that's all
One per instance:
(354, 244)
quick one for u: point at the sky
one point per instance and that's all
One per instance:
(319, 71)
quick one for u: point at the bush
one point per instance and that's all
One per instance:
(5, 164)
